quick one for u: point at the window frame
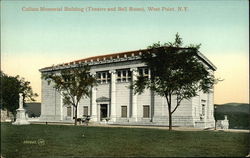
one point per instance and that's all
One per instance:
(85, 111)
(69, 110)
(124, 106)
(143, 111)
(103, 77)
(123, 75)
(144, 72)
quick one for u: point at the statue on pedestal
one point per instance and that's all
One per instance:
(20, 101)
(21, 116)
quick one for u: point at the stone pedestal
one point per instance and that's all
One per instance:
(20, 116)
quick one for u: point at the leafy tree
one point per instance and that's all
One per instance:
(176, 73)
(73, 84)
(10, 89)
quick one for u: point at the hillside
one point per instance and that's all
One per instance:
(233, 107)
(238, 114)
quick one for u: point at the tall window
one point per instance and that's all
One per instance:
(146, 111)
(123, 75)
(103, 77)
(124, 111)
(203, 109)
(69, 111)
(85, 110)
(119, 76)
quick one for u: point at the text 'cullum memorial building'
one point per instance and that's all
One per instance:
(113, 98)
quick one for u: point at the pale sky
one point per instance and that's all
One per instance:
(31, 40)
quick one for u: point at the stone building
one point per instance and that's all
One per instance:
(112, 99)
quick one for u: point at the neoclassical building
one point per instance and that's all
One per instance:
(113, 99)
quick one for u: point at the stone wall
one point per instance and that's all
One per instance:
(51, 102)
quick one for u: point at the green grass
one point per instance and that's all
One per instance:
(68, 141)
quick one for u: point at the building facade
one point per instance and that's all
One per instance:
(114, 101)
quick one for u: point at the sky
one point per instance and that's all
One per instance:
(31, 40)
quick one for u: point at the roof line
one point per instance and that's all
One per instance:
(122, 54)
(207, 60)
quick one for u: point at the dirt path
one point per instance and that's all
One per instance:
(149, 127)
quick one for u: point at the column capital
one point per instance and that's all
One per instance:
(134, 69)
(92, 73)
(112, 71)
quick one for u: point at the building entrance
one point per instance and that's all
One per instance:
(103, 111)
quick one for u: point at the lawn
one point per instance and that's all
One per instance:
(68, 141)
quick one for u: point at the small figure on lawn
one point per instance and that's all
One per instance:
(86, 119)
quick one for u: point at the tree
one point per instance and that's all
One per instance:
(72, 83)
(175, 71)
(10, 89)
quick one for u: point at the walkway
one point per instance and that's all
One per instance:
(149, 127)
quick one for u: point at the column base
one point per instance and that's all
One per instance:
(93, 119)
(112, 119)
(133, 119)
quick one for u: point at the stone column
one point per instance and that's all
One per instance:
(134, 96)
(72, 112)
(93, 103)
(152, 104)
(61, 107)
(113, 95)
(208, 106)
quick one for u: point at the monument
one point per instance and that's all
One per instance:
(223, 124)
(21, 116)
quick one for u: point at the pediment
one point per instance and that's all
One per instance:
(102, 99)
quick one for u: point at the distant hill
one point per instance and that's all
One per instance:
(233, 107)
(238, 114)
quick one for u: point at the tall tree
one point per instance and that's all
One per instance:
(11, 86)
(176, 73)
(72, 83)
